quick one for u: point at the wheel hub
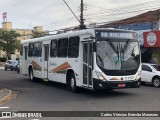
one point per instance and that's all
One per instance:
(156, 82)
(31, 75)
(72, 82)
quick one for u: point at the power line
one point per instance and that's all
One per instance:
(133, 6)
(93, 14)
(71, 11)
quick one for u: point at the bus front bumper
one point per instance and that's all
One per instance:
(100, 85)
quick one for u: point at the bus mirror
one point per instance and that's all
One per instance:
(94, 47)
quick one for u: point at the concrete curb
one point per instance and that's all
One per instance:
(6, 97)
(1, 67)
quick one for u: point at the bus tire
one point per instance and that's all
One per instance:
(72, 83)
(31, 76)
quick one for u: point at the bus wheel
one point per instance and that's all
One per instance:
(31, 76)
(72, 82)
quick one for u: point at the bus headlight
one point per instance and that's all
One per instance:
(100, 76)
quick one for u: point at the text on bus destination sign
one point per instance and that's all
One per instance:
(117, 35)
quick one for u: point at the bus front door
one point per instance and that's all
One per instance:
(87, 64)
(24, 61)
(45, 59)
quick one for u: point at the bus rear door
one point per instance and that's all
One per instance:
(45, 61)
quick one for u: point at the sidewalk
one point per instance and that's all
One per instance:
(1, 67)
(5, 95)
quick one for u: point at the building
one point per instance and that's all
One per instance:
(25, 34)
(145, 23)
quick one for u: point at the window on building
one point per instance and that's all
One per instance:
(37, 49)
(31, 50)
(73, 49)
(53, 48)
(62, 47)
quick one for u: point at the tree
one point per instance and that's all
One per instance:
(9, 42)
(37, 34)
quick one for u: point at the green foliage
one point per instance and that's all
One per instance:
(8, 42)
(17, 59)
(38, 34)
(2, 59)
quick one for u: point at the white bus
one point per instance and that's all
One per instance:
(93, 58)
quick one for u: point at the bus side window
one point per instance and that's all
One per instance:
(73, 49)
(37, 49)
(53, 48)
(31, 50)
(62, 47)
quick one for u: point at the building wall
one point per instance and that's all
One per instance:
(7, 25)
(158, 55)
(38, 29)
(25, 34)
(2, 54)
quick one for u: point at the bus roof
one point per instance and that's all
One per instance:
(70, 34)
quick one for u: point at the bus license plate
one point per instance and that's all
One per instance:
(122, 85)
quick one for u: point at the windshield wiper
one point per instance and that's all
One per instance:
(125, 46)
(122, 51)
(116, 50)
(112, 46)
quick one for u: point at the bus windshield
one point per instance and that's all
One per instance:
(118, 54)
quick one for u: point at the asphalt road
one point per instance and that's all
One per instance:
(42, 96)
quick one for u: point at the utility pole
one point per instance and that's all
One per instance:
(82, 26)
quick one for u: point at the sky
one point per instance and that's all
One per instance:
(55, 15)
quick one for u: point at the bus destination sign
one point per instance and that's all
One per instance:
(117, 35)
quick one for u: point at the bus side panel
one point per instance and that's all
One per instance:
(37, 66)
(53, 74)
(58, 69)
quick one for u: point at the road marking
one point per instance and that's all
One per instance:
(4, 107)
(33, 119)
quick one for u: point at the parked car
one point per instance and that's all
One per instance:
(151, 74)
(11, 64)
(18, 67)
(7, 64)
